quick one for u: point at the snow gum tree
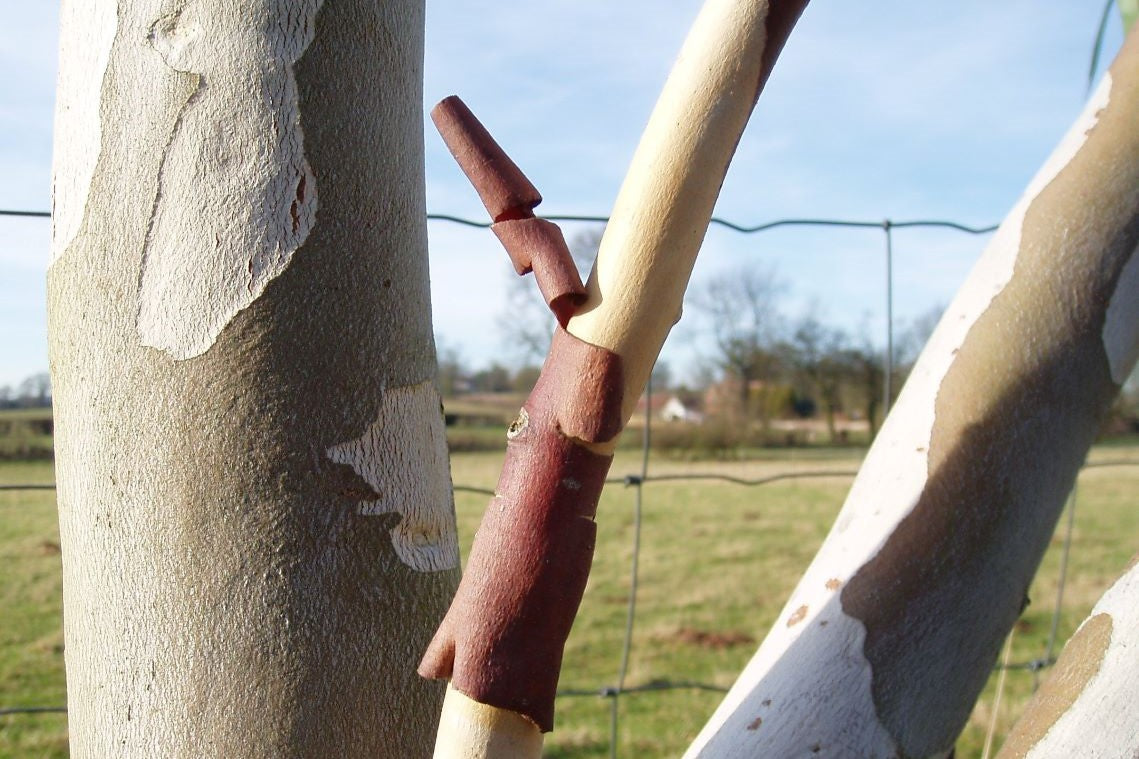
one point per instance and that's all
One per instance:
(255, 508)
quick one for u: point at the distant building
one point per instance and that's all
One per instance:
(674, 410)
(669, 408)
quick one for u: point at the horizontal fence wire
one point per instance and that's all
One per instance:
(642, 478)
(715, 220)
(32, 710)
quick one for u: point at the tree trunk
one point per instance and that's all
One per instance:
(258, 532)
(896, 625)
(872, 381)
(832, 431)
(1086, 707)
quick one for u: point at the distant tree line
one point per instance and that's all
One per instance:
(32, 392)
(761, 363)
(770, 365)
(456, 378)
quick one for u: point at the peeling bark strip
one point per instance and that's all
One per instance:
(76, 151)
(1082, 660)
(501, 643)
(503, 188)
(1086, 707)
(533, 244)
(643, 266)
(409, 430)
(538, 245)
(216, 243)
(956, 501)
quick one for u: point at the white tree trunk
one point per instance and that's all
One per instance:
(1086, 707)
(895, 626)
(254, 499)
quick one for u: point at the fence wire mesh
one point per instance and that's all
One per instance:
(619, 687)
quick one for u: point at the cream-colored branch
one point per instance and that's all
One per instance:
(662, 211)
(471, 730)
(643, 266)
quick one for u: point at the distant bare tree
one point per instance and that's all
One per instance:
(450, 374)
(914, 335)
(865, 364)
(525, 322)
(739, 311)
(820, 356)
(35, 390)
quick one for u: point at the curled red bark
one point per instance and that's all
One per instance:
(533, 244)
(503, 188)
(538, 245)
(502, 640)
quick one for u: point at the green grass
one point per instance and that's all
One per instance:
(35, 414)
(31, 634)
(717, 563)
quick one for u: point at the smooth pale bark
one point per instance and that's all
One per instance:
(1086, 707)
(258, 533)
(894, 628)
(472, 730)
(662, 211)
(648, 250)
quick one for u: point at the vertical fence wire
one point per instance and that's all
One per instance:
(991, 733)
(637, 482)
(888, 359)
(1050, 649)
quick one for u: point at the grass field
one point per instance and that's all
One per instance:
(31, 636)
(716, 564)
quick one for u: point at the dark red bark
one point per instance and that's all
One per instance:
(502, 640)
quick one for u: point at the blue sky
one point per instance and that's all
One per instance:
(877, 109)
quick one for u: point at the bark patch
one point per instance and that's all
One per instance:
(400, 463)
(76, 148)
(1121, 327)
(1014, 416)
(1081, 661)
(780, 19)
(236, 196)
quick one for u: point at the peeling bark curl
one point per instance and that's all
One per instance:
(533, 244)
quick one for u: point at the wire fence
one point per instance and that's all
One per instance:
(618, 687)
(886, 225)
